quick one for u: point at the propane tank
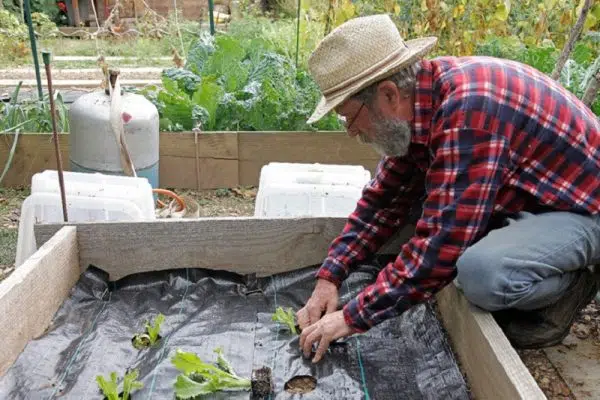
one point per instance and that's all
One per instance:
(92, 143)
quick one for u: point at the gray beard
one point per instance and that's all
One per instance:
(391, 137)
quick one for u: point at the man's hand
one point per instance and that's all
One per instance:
(329, 328)
(323, 298)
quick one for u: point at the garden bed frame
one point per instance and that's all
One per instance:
(30, 296)
(225, 159)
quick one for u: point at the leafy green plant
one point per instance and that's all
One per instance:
(33, 115)
(235, 82)
(152, 334)
(287, 318)
(110, 388)
(200, 378)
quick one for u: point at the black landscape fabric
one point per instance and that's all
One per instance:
(407, 357)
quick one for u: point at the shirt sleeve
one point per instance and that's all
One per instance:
(462, 184)
(382, 208)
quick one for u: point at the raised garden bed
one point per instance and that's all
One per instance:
(225, 159)
(250, 247)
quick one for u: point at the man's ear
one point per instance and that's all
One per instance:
(389, 98)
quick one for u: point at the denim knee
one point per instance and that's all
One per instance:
(481, 277)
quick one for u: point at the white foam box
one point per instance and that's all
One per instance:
(90, 197)
(298, 189)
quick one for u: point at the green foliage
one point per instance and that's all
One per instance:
(47, 7)
(110, 388)
(33, 115)
(151, 336)
(200, 378)
(236, 82)
(287, 318)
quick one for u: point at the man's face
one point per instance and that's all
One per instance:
(384, 125)
(389, 136)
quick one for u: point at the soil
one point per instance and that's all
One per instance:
(262, 383)
(301, 384)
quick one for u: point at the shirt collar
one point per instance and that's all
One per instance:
(421, 124)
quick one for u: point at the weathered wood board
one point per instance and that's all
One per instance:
(225, 159)
(239, 244)
(31, 295)
(494, 368)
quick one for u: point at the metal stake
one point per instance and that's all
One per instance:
(46, 58)
(36, 63)
(211, 7)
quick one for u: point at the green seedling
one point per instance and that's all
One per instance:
(110, 388)
(152, 334)
(286, 317)
(200, 378)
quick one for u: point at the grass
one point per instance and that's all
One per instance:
(144, 48)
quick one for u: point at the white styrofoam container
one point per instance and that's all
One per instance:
(47, 208)
(295, 190)
(135, 189)
(90, 197)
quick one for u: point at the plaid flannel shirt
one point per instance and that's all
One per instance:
(489, 136)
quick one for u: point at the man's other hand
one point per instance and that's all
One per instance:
(323, 299)
(329, 328)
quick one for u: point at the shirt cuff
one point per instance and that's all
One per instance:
(333, 271)
(353, 318)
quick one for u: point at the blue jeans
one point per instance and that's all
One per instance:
(529, 261)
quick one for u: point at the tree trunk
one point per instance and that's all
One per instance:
(573, 37)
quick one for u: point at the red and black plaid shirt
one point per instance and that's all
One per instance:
(489, 136)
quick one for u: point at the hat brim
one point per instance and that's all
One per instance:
(417, 49)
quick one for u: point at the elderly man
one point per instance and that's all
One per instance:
(506, 163)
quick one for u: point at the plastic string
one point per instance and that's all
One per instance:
(85, 336)
(273, 280)
(360, 363)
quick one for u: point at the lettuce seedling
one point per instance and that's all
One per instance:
(199, 378)
(110, 388)
(286, 317)
(151, 335)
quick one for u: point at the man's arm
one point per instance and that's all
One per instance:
(381, 210)
(461, 185)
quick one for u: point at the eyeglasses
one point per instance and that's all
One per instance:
(343, 119)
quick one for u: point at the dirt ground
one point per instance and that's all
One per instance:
(240, 202)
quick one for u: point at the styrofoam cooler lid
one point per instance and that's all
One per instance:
(136, 189)
(302, 173)
(47, 208)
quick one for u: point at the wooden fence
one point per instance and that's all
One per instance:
(225, 159)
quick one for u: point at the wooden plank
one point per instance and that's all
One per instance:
(34, 153)
(218, 151)
(257, 149)
(180, 173)
(32, 294)
(218, 145)
(243, 245)
(493, 367)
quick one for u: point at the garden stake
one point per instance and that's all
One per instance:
(27, 11)
(46, 58)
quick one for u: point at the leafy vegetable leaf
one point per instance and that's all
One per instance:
(154, 329)
(186, 388)
(109, 388)
(286, 317)
(199, 377)
(130, 383)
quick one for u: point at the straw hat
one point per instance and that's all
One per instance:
(357, 53)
